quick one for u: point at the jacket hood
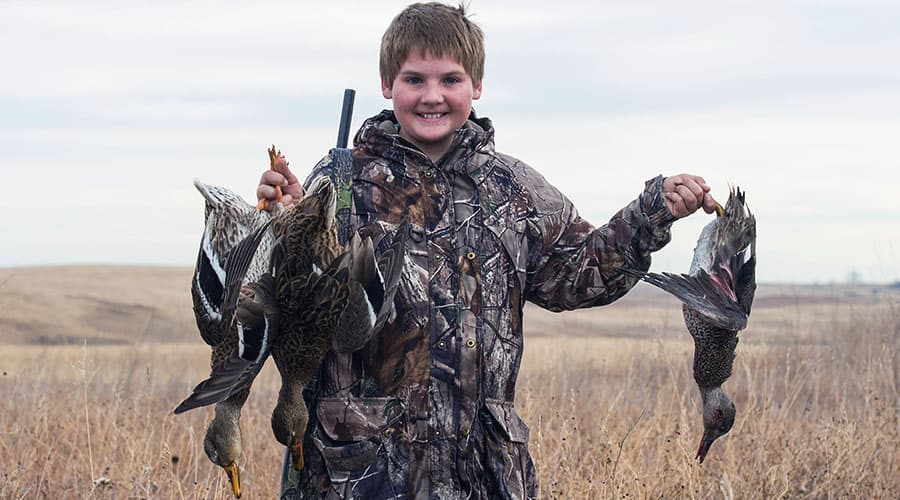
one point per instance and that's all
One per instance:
(379, 135)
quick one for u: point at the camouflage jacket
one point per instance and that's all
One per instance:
(425, 409)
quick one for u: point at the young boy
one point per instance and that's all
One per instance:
(425, 409)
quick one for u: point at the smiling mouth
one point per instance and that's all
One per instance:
(431, 116)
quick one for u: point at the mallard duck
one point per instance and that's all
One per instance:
(229, 220)
(717, 295)
(223, 440)
(328, 296)
(305, 248)
(237, 321)
(314, 286)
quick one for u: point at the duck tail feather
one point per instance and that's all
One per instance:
(392, 263)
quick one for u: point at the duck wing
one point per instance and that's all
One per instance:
(207, 293)
(239, 262)
(391, 261)
(722, 282)
(228, 219)
(257, 325)
(702, 293)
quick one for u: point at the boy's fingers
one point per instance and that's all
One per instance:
(701, 182)
(291, 178)
(282, 167)
(295, 190)
(273, 178)
(686, 179)
(287, 200)
(691, 194)
(289, 195)
(675, 204)
(266, 192)
(282, 176)
(709, 203)
(685, 194)
(695, 184)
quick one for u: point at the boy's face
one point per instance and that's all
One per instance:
(432, 98)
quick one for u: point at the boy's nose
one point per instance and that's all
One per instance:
(433, 94)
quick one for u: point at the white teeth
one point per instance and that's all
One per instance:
(431, 116)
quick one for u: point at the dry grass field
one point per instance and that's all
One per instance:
(94, 359)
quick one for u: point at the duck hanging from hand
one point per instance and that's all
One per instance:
(717, 295)
(313, 286)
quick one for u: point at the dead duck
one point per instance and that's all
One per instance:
(342, 309)
(223, 441)
(717, 295)
(328, 296)
(314, 286)
(306, 246)
(257, 318)
(229, 220)
(250, 324)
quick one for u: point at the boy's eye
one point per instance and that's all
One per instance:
(413, 80)
(452, 80)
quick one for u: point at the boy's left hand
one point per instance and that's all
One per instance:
(685, 193)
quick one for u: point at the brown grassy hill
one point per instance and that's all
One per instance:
(101, 304)
(136, 304)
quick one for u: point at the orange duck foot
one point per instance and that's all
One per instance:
(275, 159)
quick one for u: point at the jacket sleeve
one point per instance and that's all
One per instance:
(572, 264)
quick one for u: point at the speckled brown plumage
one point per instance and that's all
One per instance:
(328, 295)
(713, 349)
(306, 246)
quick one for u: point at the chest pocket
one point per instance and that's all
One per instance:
(505, 218)
(514, 243)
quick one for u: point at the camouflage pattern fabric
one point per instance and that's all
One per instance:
(342, 178)
(426, 408)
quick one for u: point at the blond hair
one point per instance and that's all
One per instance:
(433, 28)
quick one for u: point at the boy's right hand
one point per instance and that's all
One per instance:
(291, 189)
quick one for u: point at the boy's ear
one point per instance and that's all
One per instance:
(476, 91)
(386, 89)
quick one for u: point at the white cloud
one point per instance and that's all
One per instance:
(796, 102)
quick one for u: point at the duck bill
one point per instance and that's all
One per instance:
(705, 443)
(297, 455)
(234, 477)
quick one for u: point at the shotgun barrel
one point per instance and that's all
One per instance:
(346, 117)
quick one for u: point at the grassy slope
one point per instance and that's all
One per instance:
(130, 304)
(607, 394)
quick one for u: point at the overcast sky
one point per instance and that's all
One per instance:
(109, 110)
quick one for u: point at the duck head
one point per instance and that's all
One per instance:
(289, 421)
(222, 444)
(718, 417)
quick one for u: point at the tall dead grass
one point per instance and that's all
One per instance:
(816, 391)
